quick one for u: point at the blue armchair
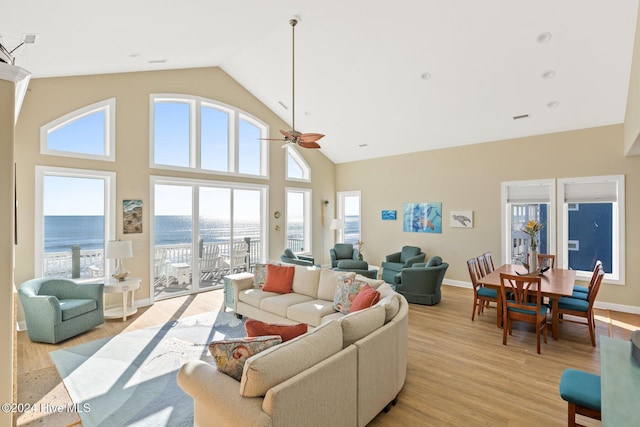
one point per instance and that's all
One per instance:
(342, 251)
(421, 282)
(396, 261)
(290, 258)
(58, 309)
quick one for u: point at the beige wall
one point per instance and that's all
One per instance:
(632, 113)
(7, 96)
(469, 177)
(51, 98)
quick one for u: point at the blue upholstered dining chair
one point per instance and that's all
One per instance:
(58, 309)
(582, 292)
(482, 295)
(582, 392)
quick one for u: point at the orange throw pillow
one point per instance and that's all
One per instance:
(256, 328)
(279, 279)
(366, 298)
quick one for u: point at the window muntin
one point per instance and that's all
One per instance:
(298, 220)
(88, 132)
(206, 136)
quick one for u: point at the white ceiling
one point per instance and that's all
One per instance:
(360, 64)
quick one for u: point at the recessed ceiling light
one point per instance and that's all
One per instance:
(157, 61)
(548, 74)
(544, 37)
(283, 105)
(425, 76)
(553, 104)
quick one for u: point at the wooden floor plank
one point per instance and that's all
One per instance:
(458, 372)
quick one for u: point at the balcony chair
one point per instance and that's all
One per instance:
(342, 251)
(582, 392)
(237, 257)
(290, 258)
(210, 262)
(482, 295)
(420, 284)
(58, 309)
(516, 292)
(396, 261)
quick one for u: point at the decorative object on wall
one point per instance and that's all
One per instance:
(325, 204)
(132, 216)
(388, 215)
(422, 217)
(461, 219)
(276, 214)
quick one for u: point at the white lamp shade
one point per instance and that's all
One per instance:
(117, 249)
(337, 224)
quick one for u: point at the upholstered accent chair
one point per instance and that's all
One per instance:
(290, 258)
(420, 283)
(342, 251)
(396, 261)
(58, 309)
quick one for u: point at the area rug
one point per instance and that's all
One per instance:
(130, 379)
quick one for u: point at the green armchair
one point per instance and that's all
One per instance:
(342, 251)
(290, 258)
(395, 262)
(58, 309)
(420, 284)
(358, 267)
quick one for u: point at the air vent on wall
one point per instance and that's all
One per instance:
(522, 116)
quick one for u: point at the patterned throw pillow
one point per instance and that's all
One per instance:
(231, 354)
(260, 275)
(346, 291)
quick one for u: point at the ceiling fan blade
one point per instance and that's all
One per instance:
(311, 137)
(308, 144)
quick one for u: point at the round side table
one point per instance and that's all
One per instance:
(113, 286)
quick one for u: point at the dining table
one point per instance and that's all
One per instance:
(554, 283)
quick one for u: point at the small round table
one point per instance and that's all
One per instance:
(113, 286)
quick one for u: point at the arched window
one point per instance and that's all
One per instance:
(297, 167)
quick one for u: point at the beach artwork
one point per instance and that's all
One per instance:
(389, 215)
(422, 217)
(132, 216)
(461, 219)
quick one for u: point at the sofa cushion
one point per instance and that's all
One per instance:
(374, 283)
(346, 292)
(280, 303)
(408, 252)
(359, 324)
(329, 279)
(366, 298)
(260, 275)
(256, 328)
(310, 312)
(279, 278)
(434, 261)
(230, 355)
(254, 296)
(71, 308)
(343, 250)
(277, 364)
(289, 253)
(389, 300)
(305, 280)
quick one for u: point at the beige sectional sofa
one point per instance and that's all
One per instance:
(344, 371)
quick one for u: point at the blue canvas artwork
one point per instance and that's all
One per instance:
(389, 215)
(422, 217)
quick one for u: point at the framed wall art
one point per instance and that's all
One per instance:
(461, 219)
(422, 217)
(132, 216)
(388, 215)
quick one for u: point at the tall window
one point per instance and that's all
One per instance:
(297, 167)
(74, 219)
(592, 225)
(189, 132)
(524, 201)
(349, 211)
(86, 133)
(298, 220)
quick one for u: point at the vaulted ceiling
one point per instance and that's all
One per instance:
(377, 78)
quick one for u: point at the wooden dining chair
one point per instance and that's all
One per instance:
(582, 308)
(583, 291)
(487, 262)
(546, 260)
(482, 295)
(520, 290)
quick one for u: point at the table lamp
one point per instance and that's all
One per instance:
(119, 249)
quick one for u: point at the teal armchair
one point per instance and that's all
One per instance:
(421, 283)
(290, 258)
(342, 251)
(395, 262)
(58, 309)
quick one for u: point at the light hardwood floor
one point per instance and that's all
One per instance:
(458, 373)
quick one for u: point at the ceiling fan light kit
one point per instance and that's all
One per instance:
(304, 140)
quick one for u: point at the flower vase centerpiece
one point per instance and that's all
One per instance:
(533, 229)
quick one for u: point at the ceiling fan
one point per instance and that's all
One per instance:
(304, 140)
